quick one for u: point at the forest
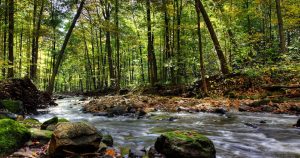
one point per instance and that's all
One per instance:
(192, 72)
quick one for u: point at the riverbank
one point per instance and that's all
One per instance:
(142, 104)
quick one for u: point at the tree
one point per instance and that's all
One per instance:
(152, 67)
(11, 39)
(62, 51)
(280, 27)
(222, 59)
(202, 69)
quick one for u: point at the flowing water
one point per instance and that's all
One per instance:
(235, 135)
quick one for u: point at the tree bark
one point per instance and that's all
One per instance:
(62, 51)
(202, 69)
(280, 27)
(11, 39)
(152, 72)
(5, 38)
(35, 49)
(222, 59)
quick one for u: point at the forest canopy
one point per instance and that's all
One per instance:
(121, 44)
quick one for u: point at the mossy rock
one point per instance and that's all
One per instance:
(40, 134)
(12, 136)
(108, 140)
(63, 120)
(14, 106)
(52, 121)
(31, 123)
(185, 144)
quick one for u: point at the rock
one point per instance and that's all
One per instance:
(77, 137)
(244, 108)
(220, 111)
(116, 111)
(61, 97)
(108, 140)
(25, 91)
(14, 106)
(152, 153)
(31, 123)
(100, 114)
(250, 125)
(12, 136)
(297, 124)
(141, 113)
(62, 120)
(83, 99)
(263, 122)
(185, 144)
(137, 153)
(52, 121)
(8, 115)
(41, 135)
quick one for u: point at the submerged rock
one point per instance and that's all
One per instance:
(12, 136)
(185, 144)
(77, 137)
(297, 124)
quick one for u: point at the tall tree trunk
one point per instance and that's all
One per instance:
(151, 56)
(5, 37)
(280, 27)
(11, 39)
(20, 52)
(222, 59)
(62, 51)
(118, 47)
(34, 30)
(178, 28)
(36, 44)
(202, 69)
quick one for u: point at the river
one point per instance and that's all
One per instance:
(240, 135)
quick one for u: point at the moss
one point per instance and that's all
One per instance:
(13, 106)
(63, 120)
(40, 134)
(52, 121)
(12, 136)
(186, 136)
(31, 122)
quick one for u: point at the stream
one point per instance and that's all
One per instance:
(235, 135)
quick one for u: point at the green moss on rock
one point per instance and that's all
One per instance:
(31, 123)
(63, 120)
(52, 121)
(185, 144)
(12, 136)
(14, 106)
(40, 134)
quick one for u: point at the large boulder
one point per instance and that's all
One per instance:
(12, 136)
(185, 144)
(14, 106)
(25, 91)
(76, 137)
